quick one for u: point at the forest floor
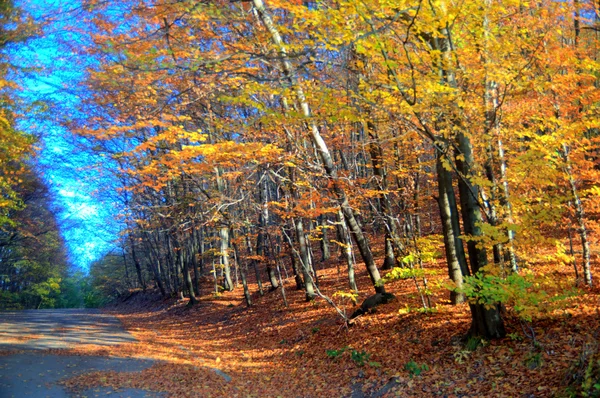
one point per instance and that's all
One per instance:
(220, 348)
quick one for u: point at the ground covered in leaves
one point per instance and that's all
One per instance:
(220, 348)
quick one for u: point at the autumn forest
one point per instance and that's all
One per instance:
(328, 198)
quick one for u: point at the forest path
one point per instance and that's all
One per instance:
(31, 372)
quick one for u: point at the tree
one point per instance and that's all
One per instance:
(254, 122)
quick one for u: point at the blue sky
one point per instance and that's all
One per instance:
(79, 189)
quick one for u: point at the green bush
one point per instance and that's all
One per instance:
(333, 354)
(359, 358)
(524, 293)
(10, 301)
(414, 369)
(93, 299)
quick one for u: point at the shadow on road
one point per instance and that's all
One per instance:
(34, 374)
(64, 328)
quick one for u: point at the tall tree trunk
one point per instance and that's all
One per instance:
(127, 281)
(261, 240)
(224, 238)
(325, 254)
(194, 259)
(347, 247)
(376, 154)
(505, 201)
(247, 295)
(486, 320)
(154, 263)
(138, 267)
(296, 267)
(389, 261)
(243, 272)
(416, 200)
(270, 259)
(224, 234)
(274, 251)
(491, 127)
(156, 272)
(155, 259)
(304, 259)
(176, 266)
(455, 253)
(392, 238)
(159, 279)
(254, 265)
(580, 217)
(201, 250)
(187, 279)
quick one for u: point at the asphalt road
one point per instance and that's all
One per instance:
(34, 373)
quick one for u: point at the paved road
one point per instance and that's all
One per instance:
(33, 373)
(43, 329)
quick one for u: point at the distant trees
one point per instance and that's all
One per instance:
(33, 261)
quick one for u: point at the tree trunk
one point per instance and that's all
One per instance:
(325, 254)
(157, 278)
(416, 201)
(243, 273)
(580, 217)
(261, 243)
(389, 261)
(505, 201)
(304, 259)
(187, 279)
(224, 233)
(254, 265)
(194, 259)
(138, 267)
(455, 253)
(127, 281)
(391, 232)
(201, 248)
(155, 260)
(347, 242)
(296, 267)
(485, 322)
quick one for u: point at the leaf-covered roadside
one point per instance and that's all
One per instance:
(269, 350)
